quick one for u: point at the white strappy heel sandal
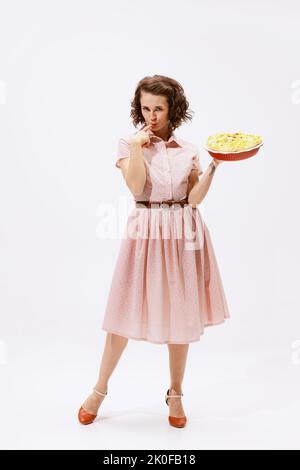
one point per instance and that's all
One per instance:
(85, 417)
(173, 421)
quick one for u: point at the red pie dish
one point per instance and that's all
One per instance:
(233, 156)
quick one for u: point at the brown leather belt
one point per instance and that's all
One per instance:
(158, 204)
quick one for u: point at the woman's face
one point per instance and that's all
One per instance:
(155, 110)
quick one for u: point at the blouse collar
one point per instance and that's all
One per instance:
(174, 137)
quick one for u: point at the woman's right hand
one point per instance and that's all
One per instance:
(142, 137)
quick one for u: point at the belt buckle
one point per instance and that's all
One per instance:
(166, 204)
(173, 204)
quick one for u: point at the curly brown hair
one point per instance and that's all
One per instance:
(172, 90)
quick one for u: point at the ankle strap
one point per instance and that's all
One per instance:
(173, 396)
(99, 393)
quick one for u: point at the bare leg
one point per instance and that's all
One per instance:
(113, 349)
(177, 362)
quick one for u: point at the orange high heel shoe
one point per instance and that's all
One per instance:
(85, 417)
(173, 421)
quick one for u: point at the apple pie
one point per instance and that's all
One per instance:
(236, 142)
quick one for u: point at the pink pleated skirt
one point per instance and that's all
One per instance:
(166, 286)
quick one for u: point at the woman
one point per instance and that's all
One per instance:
(166, 285)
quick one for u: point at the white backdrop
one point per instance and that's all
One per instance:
(68, 70)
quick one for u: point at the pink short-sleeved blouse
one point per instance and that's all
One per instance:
(168, 165)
